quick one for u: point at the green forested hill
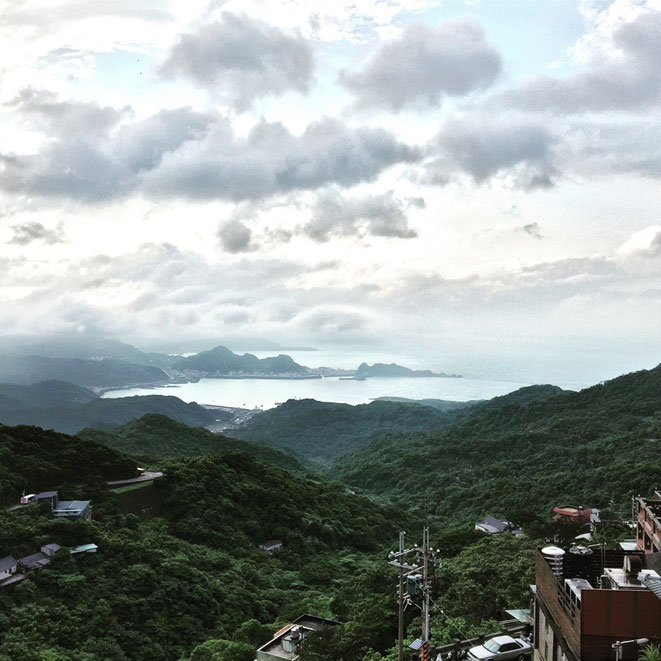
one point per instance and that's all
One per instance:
(154, 438)
(105, 373)
(32, 459)
(68, 408)
(326, 430)
(592, 447)
(155, 589)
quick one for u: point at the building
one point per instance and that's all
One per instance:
(493, 526)
(648, 523)
(50, 549)
(84, 548)
(577, 514)
(73, 509)
(271, 545)
(285, 643)
(34, 562)
(47, 496)
(587, 599)
(8, 567)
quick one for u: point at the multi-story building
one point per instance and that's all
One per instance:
(587, 599)
(648, 523)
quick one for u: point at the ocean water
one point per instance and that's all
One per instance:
(266, 393)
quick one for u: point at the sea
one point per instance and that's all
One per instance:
(267, 393)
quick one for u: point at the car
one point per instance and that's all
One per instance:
(501, 647)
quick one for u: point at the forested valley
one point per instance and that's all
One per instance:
(179, 573)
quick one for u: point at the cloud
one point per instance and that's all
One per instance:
(270, 161)
(628, 78)
(533, 229)
(485, 147)
(31, 232)
(186, 154)
(378, 215)
(424, 65)
(235, 236)
(242, 59)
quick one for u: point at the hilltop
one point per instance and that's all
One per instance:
(155, 438)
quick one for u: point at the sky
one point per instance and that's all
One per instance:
(473, 180)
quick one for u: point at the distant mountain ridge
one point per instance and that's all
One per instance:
(69, 408)
(103, 373)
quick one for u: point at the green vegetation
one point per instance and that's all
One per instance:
(223, 361)
(153, 438)
(32, 459)
(191, 582)
(69, 408)
(323, 431)
(158, 589)
(105, 373)
(594, 447)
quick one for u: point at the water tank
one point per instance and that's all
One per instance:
(580, 562)
(554, 556)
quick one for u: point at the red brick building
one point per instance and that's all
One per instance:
(588, 599)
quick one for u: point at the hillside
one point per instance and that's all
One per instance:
(157, 588)
(220, 361)
(324, 431)
(592, 447)
(83, 346)
(33, 459)
(154, 438)
(104, 373)
(68, 408)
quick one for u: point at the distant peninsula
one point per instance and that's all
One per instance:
(221, 363)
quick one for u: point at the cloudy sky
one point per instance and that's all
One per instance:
(475, 179)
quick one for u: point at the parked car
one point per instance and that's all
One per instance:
(501, 647)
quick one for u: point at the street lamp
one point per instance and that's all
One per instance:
(617, 646)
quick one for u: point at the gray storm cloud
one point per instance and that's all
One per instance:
(242, 59)
(186, 154)
(335, 214)
(425, 65)
(31, 232)
(484, 149)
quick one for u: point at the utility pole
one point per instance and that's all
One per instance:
(412, 569)
(400, 627)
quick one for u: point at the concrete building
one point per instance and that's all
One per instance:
(73, 509)
(588, 599)
(648, 523)
(285, 643)
(493, 526)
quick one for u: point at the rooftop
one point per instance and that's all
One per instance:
(7, 563)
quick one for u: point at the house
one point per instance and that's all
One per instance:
(73, 509)
(271, 545)
(493, 526)
(648, 523)
(34, 562)
(50, 549)
(587, 600)
(8, 567)
(286, 641)
(84, 548)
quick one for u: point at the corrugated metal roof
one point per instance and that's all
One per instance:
(654, 584)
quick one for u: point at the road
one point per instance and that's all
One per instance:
(145, 477)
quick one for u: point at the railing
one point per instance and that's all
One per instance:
(508, 628)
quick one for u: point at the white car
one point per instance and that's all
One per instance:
(501, 647)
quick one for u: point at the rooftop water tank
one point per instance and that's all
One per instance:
(554, 556)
